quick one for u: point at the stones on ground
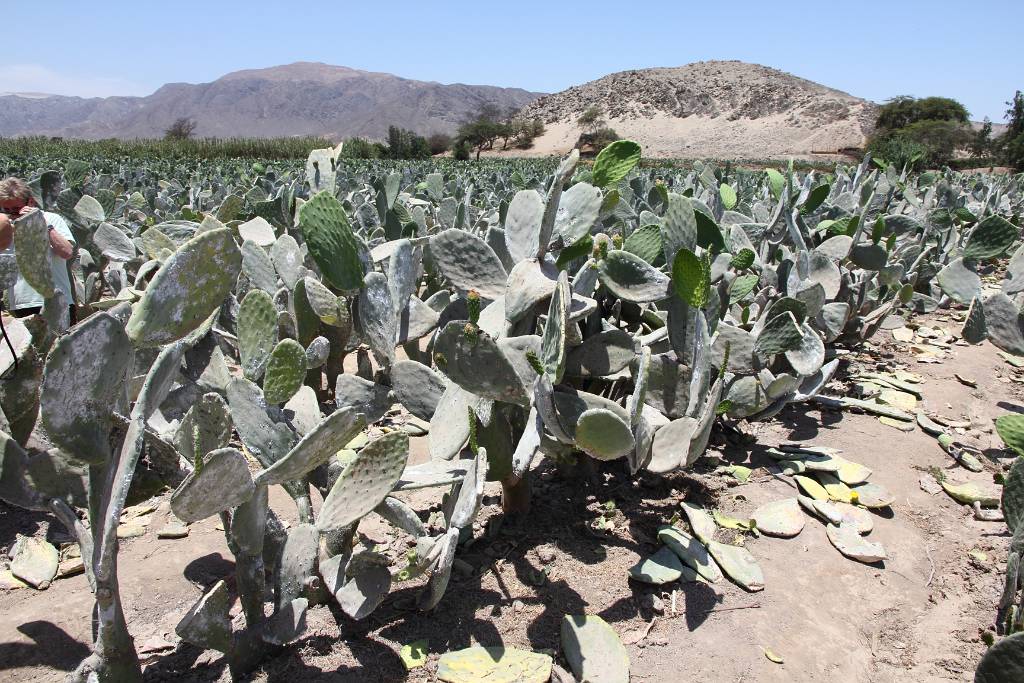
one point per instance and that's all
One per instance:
(174, 529)
(34, 561)
(780, 518)
(738, 564)
(851, 544)
(494, 664)
(593, 650)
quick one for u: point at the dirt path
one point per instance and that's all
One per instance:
(915, 618)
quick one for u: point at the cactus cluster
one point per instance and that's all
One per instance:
(607, 313)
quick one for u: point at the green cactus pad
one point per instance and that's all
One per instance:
(578, 209)
(809, 356)
(285, 372)
(449, 426)
(249, 523)
(208, 623)
(83, 383)
(468, 263)
(362, 592)
(258, 267)
(257, 333)
(959, 282)
(603, 434)
(522, 225)
(600, 355)
(781, 518)
(472, 359)
(1003, 662)
(324, 303)
(286, 624)
(205, 427)
(614, 163)
(369, 398)
(869, 256)
(156, 244)
(646, 243)
(679, 226)
(691, 552)
(186, 290)
(377, 321)
(691, 278)
(365, 481)
(1004, 323)
(476, 664)
(316, 448)
(331, 243)
(1013, 494)
(847, 540)
(631, 278)
(1011, 430)
(593, 649)
(530, 282)
(32, 251)
(417, 387)
(297, 562)
(553, 341)
(664, 566)
(223, 483)
(975, 330)
(738, 564)
(780, 334)
(268, 439)
(990, 238)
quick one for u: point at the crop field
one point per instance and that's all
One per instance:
(353, 420)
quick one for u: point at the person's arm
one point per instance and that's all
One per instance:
(6, 231)
(60, 244)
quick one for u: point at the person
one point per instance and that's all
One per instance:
(16, 201)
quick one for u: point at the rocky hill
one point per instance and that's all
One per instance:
(725, 109)
(304, 98)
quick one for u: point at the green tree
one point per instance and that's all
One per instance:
(482, 129)
(592, 119)
(982, 143)
(181, 129)
(903, 111)
(1012, 141)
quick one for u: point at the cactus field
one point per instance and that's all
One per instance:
(514, 420)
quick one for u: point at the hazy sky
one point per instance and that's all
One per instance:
(970, 51)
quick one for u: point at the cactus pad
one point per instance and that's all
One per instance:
(417, 387)
(223, 483)
(522, 225)
(186, 290)
(285, 372)
(331, 241)
(257, 333)
(469, 263)
(1011, 430)
(472, 359)
(32, 250)
(316, 448)
(990, 238)
(593, 649)
(377, 321)
(208, 623)
(631, 278)
(365, 481)
(83, 383)
(493, 664)
(603, 434)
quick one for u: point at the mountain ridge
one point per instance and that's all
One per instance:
(301, 98)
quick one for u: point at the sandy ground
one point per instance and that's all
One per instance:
(916, 617)
(669, 137)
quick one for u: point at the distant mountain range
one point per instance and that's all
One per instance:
(304, 98)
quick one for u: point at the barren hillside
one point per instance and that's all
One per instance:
(725, 109)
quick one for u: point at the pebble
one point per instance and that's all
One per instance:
(650, 601)
(518, 606)
(545, 555)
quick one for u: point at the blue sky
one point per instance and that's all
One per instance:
(970, 51)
